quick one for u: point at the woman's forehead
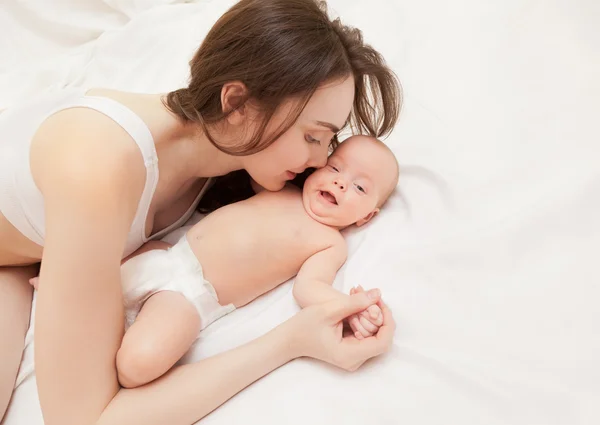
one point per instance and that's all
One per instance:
(330, 103)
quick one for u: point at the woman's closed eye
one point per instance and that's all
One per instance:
(311, 139)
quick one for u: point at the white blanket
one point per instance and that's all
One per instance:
(487, 252)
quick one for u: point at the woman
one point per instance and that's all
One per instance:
(87, 178)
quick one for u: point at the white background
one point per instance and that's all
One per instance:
(488, 251)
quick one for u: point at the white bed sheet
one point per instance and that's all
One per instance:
(488, 251)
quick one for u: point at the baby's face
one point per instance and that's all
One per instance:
(354, 183)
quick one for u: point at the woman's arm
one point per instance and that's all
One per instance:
(91, 196)
(188, 393)
(92, 178)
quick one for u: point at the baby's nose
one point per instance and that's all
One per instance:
(339, 183)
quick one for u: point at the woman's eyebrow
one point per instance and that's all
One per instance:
(328, 125)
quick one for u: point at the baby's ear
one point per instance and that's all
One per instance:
(367, 218)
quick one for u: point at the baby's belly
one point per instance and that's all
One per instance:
(240, 276)
(240, 288)
(243, 268)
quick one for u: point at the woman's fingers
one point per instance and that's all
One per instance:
(354, 348)
(346, 306)
(388, 318)
(355, 351)
(385, 335)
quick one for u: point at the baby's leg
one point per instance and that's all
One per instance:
(163, 331)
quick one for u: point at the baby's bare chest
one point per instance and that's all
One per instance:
(267, 235)
(247, 249)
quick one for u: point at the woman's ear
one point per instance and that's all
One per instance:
(233, 97)
(367, 218)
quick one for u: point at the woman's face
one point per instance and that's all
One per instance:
(306, 143)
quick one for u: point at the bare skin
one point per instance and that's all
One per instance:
(248, 248)
(172, 199)
(175, 191)
(270, 236)
(15, 302)
(91, 182)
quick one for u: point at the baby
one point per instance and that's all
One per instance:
(244, 250)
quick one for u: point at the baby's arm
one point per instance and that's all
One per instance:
(313, 282)
(163, 331)
(313, 286)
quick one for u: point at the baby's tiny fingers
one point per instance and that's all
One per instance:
(353, 322)
(359, 330)
(370, 327)
(375, 315)
(377, 322)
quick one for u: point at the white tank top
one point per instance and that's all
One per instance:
(21, 202)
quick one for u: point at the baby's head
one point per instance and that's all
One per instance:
(359, 177)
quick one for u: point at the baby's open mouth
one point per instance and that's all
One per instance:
(329, 197)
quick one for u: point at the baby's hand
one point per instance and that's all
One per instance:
(367, 322)
(34, 281)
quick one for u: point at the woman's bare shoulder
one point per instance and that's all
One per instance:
(81, 143)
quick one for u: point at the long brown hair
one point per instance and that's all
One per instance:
(282, 49)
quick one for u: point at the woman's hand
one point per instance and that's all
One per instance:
(367, 322)
(318, 331)
(189, 392)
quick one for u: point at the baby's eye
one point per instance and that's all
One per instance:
(360, 188)
(334, 168)
(311, 139)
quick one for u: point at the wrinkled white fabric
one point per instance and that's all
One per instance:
(487, 253)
